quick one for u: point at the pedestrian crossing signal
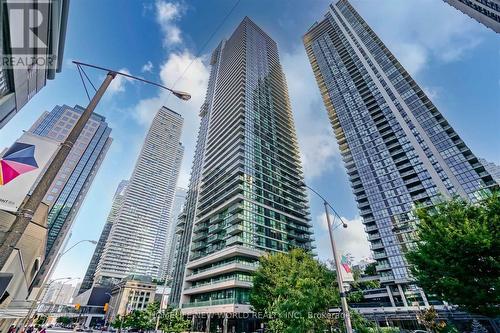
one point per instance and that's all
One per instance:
(77, 306)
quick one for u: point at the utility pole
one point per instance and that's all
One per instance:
(336, 257)
(340, 281)
(27, 210)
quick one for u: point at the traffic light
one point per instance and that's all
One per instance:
(106, 306)
(77, 306)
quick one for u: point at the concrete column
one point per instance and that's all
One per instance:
(207, 330)
(224, 324)
(389, 291)
(402, 296)
(88, 319)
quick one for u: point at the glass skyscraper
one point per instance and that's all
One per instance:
(88, 279)
(245, 196)
(68, 190)
(138, 235)
(172, 244)
(398, 149)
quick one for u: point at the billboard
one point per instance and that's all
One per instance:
(20, 166)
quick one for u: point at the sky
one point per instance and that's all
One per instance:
(454, 59)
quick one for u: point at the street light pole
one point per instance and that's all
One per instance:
(28, 209)
(336, 259)
(340, 280)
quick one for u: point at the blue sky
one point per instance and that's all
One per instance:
(455, 59)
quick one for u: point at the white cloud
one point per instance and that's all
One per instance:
(419, 32)
(351, 240)
(147, 67)
(166, 14)
(118, 83)
(317, 143)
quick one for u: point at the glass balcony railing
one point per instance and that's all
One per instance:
(214, 302)
(240, 262)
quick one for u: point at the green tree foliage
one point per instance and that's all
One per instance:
(173, 321)
(295, 290)
(64, 320)
(458, 252)
(371, 269)
(145, 320)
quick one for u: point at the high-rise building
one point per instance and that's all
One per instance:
(136, 242)
(398, 149)
(88, 279)
(19, 83)
(492, 168)
(486, 12)
(68, 190)
(171, 247)
(246, 198)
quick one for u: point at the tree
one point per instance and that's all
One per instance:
(64, 320)
(457, 253)
(173, 321)
(371, 269)
(295, 290)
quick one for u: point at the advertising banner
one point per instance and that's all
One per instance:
(20, 166)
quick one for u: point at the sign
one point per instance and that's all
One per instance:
(20, 167)
(29, 27)
(345, 269)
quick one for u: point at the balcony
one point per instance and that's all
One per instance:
(213, 302)
(234, 240)
(199, 236)
(379, 255)
(235, 229)
(215, 238)
(376, 245)
(215, 228)
(372, 237)
(383, 267)
(235, 218)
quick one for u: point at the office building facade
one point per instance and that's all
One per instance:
(68, 190)
(250, 200)
(19, 83)
(88, 279)
(486, 12)
(136, 243)
(398, 149)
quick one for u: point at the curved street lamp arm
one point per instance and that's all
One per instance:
(180, 94)
(344, 224)
(82, 241)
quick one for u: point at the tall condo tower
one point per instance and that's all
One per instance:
(486, 12)
(245, 196)
(88, 279)
(67, 192)
(138, 236)
(398, 149)
(172, 243)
